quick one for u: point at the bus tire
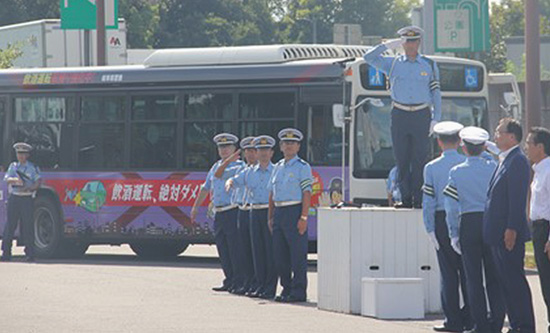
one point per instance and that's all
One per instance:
(159, 249)
(48, 230)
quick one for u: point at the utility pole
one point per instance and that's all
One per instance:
(100, 29)
(532, 64)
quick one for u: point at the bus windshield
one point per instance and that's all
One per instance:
(373, 154)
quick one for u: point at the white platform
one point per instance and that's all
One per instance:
(392, 298)
(355, 243)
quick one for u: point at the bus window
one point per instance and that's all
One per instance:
(153, 132)
(101, 132)
(205, 115)
(46, 123)
(324, 140)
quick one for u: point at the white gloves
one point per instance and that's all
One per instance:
(434, 240)
(394, 43)
(432, 124)
(456, 245)
(492, 147)
(228, 185)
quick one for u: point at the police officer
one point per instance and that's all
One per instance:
(23, 179)
(289, 201)
(256, 181)
(225, 221)
(246, 265)
(415, 91)
(436, 176)
(465, 196)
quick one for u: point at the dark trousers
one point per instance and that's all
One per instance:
(410, 136)
(262, 249)
(227, 242)
(290, 250)
(246, 265)
(517, 295)
(541, 229)
(452, 278)
(20, 208)
(477, 259)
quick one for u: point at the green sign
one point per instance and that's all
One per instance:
(461, 25)
(81, 14)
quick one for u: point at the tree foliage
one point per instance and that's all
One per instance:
(9, 55)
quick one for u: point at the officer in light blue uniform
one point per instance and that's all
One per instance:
(23, 179)
(436, 176)
(415, 91)
(289, 201)
(256, 180)
(465, 196)
(225, 221)
(246, 264)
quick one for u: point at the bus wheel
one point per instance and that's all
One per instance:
(48, 233)
(159, 249)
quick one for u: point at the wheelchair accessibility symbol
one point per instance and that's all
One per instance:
(470, 77)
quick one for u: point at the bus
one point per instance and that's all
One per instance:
(124, 150)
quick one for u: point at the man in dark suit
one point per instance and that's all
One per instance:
(505, 226)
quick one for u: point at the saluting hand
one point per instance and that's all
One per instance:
(235, 156)
(547, 249)
(510, 239)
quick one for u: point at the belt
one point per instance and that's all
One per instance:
(260, 206)
(244, 207)
(222, 209)
(410, 108)
(286, 203)
(23, 194)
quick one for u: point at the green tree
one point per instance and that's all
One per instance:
(9, 55)
(142, 20)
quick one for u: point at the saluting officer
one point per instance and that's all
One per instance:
(436, 176)
(256, 180)
(415, 91)
(225, 221)
(23, 179)
(246, 265)
(465, 197)
(289, 201)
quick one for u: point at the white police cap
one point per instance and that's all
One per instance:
(224, 139)
(290, 134)
(246, 143)
(447, 128)
(411, 32)
(264, 141)
(22, 147)
(474, 135)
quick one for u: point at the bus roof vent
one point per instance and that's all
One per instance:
(240, 55)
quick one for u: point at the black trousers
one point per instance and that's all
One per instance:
(262, 249)
(226, 236)
(541, 228)
(411, 144)
(453, 278)
(246, 264)
(20, 208)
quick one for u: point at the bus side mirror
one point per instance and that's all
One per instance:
(338, 115)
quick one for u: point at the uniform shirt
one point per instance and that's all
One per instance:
(240, 191)
(28, 173)
(466, 191)
(216, 186)
(256, 180)
(436, 177)
(540, 191)
(290, 179)
(391, 185)
(412, 82)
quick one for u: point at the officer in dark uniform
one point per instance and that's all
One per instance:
(23, 179)
(415, 91)
(436, 177)
(289, 201)
(465, 196)
(225, 222)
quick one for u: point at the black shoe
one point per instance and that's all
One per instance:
(257, 293)
(5, 258)
(222, 288)
(444, 328)
(280, 299)
(294, 299)
(239, 291)
(267, 296)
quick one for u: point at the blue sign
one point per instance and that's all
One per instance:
(471, 79)
(376, 78)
